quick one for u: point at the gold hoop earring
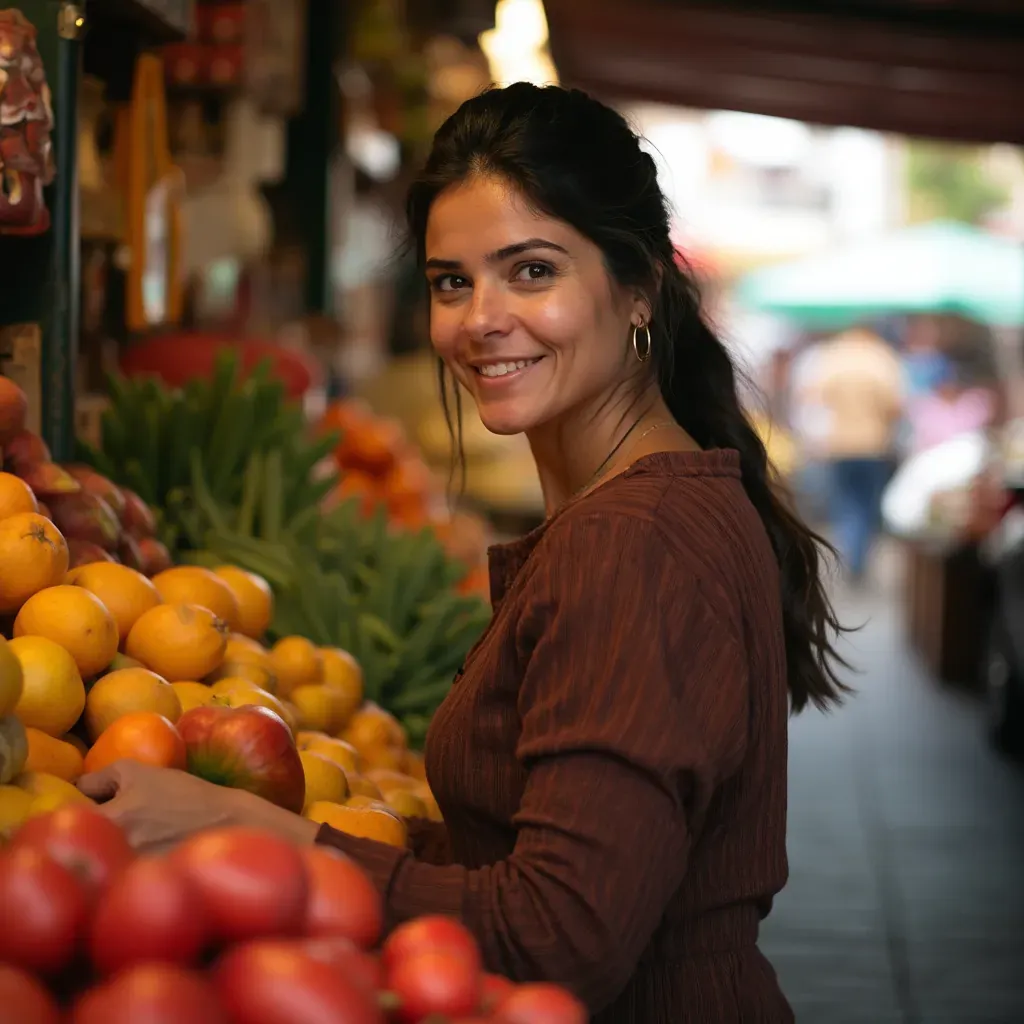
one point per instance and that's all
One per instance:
(642, 353)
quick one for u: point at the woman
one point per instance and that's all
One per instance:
(611, 761)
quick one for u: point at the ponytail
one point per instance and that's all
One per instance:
(698, 382)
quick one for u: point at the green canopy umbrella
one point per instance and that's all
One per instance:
(942, 267)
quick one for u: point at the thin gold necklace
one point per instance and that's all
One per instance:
(601, 469)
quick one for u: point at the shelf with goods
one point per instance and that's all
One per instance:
(126, 656)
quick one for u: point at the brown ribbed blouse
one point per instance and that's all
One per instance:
(611, 761)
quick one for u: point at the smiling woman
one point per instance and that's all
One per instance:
(611, 762)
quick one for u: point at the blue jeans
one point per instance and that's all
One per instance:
(857, 487)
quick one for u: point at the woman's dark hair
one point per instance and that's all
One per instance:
(579, 161)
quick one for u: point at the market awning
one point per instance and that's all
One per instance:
(951, 70)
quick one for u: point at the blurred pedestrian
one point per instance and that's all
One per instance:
(857, 387)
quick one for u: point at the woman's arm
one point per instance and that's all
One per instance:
(429, 842)
(633, 705)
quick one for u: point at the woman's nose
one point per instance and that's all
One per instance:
(487, 313)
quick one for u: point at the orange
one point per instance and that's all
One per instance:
(366, 822)
(257, 674)
(243, 648)
(13, 748)
(53, 756)
(388, 781)
(237, 693)
(433, 811)
(16, 496)
(48, 792)
(131, 689)
(325, 780)
(406, 803)
(11, 682)
(125, 592)
(321, 708)
(33, 556)
(53, 696)
(75, 741)
(412, 765)
(342, 672)
(141, 736)
(77, 620)
(371, 726)
(254, 597)
(192, 695)
(338, 751)
(178, 641)
(360, 785)
(191, 584)
(15, 807)
(296, 662)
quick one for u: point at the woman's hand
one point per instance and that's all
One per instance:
(159, 807)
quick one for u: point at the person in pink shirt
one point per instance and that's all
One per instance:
(955, 406)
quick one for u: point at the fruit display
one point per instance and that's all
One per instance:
(233, 926)
(238, 482)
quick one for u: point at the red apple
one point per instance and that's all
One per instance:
(86, 517)
(95, 483)
(129, 554)
(246, 748)
(137, 517)
(25, 449)
(85, 552)
(13, 410)
(155, 557)
(48, 480)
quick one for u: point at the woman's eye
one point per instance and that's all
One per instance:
(533, 272)
(448, 283)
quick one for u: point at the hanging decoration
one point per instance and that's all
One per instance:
(26, 120)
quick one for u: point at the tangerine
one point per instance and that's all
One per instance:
(53, 694)
(192, 695)
(77, 620)
(296, 662)
(369, 822)
(16, 496)
(142, 736)
(15, 807)
(338, 751)
(33, 556)
(53, 757)
(48, 792)
(321, 708)
(325, 780)
(125, 691)
(178, 641)
(126, 593)
(343, 673)
(254, 597)
(10, 679)
(192, 584)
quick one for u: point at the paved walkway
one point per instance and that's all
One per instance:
(906, 839)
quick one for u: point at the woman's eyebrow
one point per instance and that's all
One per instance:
(500, 255)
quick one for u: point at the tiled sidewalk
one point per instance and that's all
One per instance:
(906, 840)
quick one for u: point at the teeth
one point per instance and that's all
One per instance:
(500, 369)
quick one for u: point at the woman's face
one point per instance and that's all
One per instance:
(523, 310)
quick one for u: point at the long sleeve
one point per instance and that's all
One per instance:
(633, 706)
(429, 842)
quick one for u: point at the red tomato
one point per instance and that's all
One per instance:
(271, 983)
(540, 1004)
(151, 994)
(43, 911)
(252, 882)
(433, 934)
(81, 839)
(23, 999)
(152, 912)
(342, 899)
(443, 983)
(495, 989)
(354, 963)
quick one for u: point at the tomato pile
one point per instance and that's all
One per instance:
(234, 926)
